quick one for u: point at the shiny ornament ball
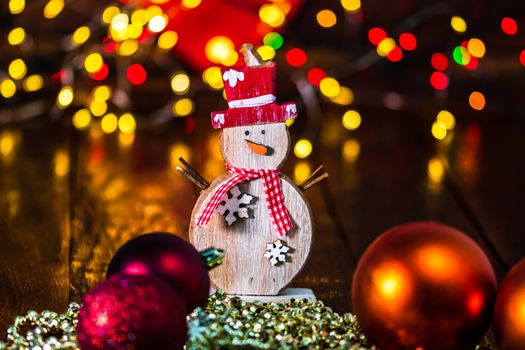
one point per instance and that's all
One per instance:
(509, 311)
(424, 285)
(169, 258)
(132, 312)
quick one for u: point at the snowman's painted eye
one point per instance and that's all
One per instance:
(263, 132)
(246, 133)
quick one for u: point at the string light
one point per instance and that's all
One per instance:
(81, 119)
(128, 47)
(439, 131)
(385, 46)
(315, 75)
(477, 100)
(296, 57)
(183, 107)
(220, 49)
(375, 35)
(461, 55)
(17, 69)
(272, 15)
(101, 74)
(80, 36)
(213, 77)
(16, 36)
(351, 5)
(136, 74)
(140, 17)
(351, 120)
(93, 62)
(16, 6)
(326, 18)
(509, 26)
(180, 83)
(7, 88)
(395, 55)
(458, 24)
(167, 40)
(266, 52)
(446, 119)
(109, 123)
(53, 8)
(274, 40)
(303, 148)
(476, 47)
(439, 80)
(439, 61)
(65, 97)
(98, 108)
(408, 41)
(109, 13)
(127, 124)
(33, 83)
(329, 87)
(157, 23)
(102, 93)
(120, 22)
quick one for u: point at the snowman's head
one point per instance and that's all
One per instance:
(260, 146)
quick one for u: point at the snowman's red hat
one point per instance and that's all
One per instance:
(250, 91)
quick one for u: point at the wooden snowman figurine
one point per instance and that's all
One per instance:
(254, 212)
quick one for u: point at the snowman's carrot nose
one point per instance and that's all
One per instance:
(257, 148)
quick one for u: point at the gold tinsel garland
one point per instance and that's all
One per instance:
(225, 323)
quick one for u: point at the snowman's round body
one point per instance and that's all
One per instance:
(257, 261)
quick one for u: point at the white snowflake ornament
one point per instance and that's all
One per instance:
(276, 252)
(234, 202)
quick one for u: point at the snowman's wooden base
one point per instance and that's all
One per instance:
(283, 297)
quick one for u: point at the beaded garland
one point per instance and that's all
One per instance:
(225, 323)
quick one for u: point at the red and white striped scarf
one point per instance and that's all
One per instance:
(281, 220)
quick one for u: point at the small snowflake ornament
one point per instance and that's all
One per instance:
(276, 252)
(234, 202)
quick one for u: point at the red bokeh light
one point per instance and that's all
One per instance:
(473, 63)
(101, 74)
(439, 80)
(315, 75)
(375, 35)
(522, 58)
(439, 61)
(509, 26)
(136, 74)
(408, 41)
(395, 55)
(296, 57)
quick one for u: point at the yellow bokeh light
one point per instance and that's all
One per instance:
(458, 24)
(180, 83)
(439, 131)
(386, 46)
(301, 171)
(7, 88)
(326, 18)
(345, 97)
(303, 148)
(289, 122)
(133, 31)
(178, 150)
(16, 6)
(80, 36)
(183, 107)
(17, 69)
(213, 77)
(477, 100)
(53, 8)
(154, 11)
(435, 170)
(16, 36)
(140, 17)
(476, 47)
(120, 22)
(167, 40)
(127, 124)
(219, 48)
(272, 15)
(109, 13)
(102, 93)
(266, 52)
(446, 119)
(93, 62)
(98, 108)
(329, 87)
(128, 47)
(33, 83)
(157, 23)
(351, 149)
(82, 119)
(351, 5)
(109, 123)
(65, 97)
(9, 139)
(160, 2)
(61, 164)
(190, 4)
(351, 120)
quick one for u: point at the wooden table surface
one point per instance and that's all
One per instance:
(69, 199)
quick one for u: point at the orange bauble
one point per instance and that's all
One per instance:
(424, 286)
(509, 311)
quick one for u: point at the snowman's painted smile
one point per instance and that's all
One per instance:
(259, 148)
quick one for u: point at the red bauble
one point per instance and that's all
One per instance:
(168, 258)
(509, 311)
(132, 312)
(425, 286)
